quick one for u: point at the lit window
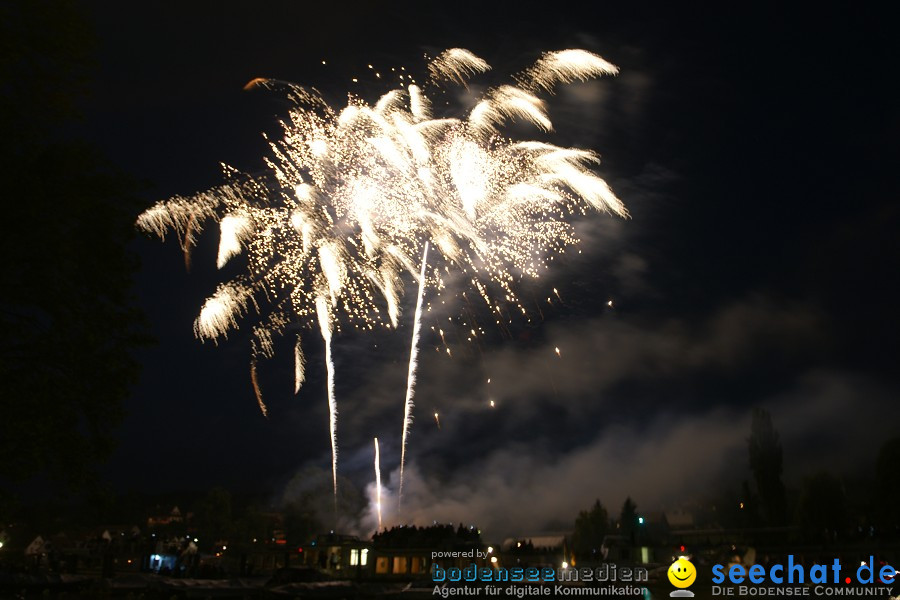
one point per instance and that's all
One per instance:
(354, 557)
(364, 558)
(381, 565)
(399, 564)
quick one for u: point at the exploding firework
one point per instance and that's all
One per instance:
(351, 196)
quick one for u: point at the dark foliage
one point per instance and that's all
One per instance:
(67, 322)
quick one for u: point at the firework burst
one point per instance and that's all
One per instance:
(351, 196)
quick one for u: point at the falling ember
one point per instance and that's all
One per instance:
(566, 66)
(492, 404)
(258, 81)
(256, 390)
(299, 366)
(557, 352)
(187, 243)
(456, 64)
(444, 342)
(610, 304)
(437, 419)
(411, 377)
(378, 483)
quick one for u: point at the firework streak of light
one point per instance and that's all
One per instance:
(378, 482)
(325, 326)
(411, 376)
(350, 195)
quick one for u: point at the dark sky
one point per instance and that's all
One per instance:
(755, 150)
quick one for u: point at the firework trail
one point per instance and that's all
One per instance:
(299, 366)
(350, 195)
(411, 376)
(325, 327)
(378, 483)
(256, 390)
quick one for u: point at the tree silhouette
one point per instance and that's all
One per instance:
(628, 519)
(213, 517)
(888, 487)
(748, 507)
(766, 462)
(590, 528)
(67, 322)
(823, 507)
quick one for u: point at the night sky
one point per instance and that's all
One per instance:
(755, 150)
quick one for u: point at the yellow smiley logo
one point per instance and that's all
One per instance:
(682, 573)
